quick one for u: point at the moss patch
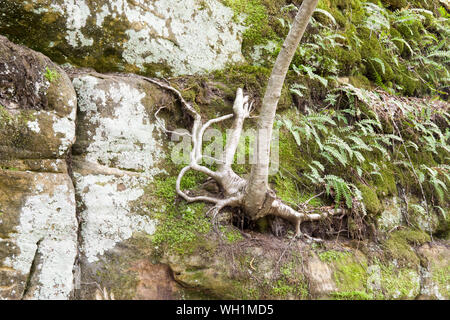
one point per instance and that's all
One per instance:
(51, 75)
(399, 246)
(399, 283)
(350, 274)
(370, 199)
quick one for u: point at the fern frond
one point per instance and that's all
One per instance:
(336, 154)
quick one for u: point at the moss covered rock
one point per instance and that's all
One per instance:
(37, 105)
(153, 37)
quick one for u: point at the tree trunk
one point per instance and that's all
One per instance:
(257, 191)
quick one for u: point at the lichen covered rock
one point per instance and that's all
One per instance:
(38, 235)
(37, 105)
(38, 225)
(118, 151)
(168, 36)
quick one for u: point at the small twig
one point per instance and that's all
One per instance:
(317, 195)
(251, 264)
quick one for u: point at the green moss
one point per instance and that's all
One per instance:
(287, 190)
(332, 255)
(260, 17)
(370, 199)
(289, 156)
(256, 18)
(181, 231)
(181, 226)
(350, 274)
(248, 77)
(385, 184)
(351, 295)
(360, 81)
(398, 246)
(51, 75)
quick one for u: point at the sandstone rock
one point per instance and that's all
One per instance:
(38, 225)
(321, 278)
(118, 151)
(38, 235)
(37, 105)
(155, 282)
(169, 36)
(436, 272)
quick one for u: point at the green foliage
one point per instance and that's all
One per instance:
(331, 255)
(402, 51)
(355, 152)
(180, 226)
(341, 188)
(51, 75)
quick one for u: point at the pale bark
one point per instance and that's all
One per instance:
(258, 182)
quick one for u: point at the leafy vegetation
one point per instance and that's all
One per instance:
(402, 48)
(356, 151)
(51, 75)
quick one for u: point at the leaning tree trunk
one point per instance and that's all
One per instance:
(258, 189)
(253, 195)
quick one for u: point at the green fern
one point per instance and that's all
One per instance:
(341, 189)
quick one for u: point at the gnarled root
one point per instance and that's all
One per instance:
(234, 187)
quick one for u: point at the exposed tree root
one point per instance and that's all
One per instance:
(235, 188)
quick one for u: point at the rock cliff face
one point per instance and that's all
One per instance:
(84, 219)
(88, 208)
(134, 36)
